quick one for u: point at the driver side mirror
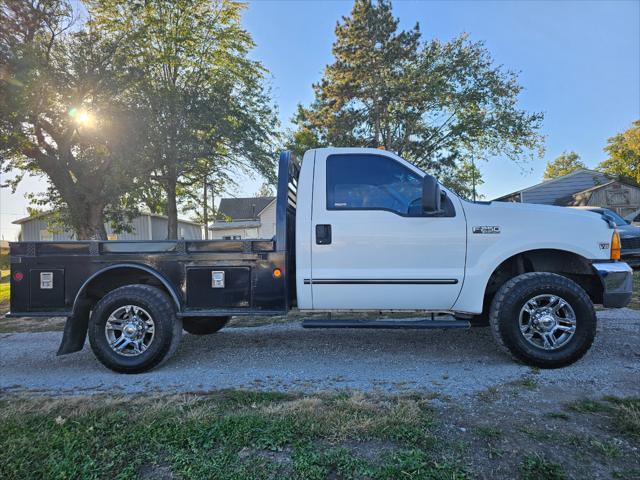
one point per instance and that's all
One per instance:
(431, 195)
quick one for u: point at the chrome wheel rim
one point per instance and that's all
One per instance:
(547, 321)
(129, 330)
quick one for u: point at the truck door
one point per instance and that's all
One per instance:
(372, 245)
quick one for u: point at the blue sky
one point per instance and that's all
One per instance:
(578, 61)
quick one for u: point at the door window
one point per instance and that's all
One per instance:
(372, 182)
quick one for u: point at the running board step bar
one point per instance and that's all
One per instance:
(388, 324)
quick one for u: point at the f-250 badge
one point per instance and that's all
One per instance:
(490, 229)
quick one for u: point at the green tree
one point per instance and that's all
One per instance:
(265, 190)
(624, 154)
(465, 180)
(566, 163)
(187, 62)
(436, 104)
(197, 191)
(61, 116)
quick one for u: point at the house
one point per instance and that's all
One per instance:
(583, 187)
(145, 227)
(239, 218)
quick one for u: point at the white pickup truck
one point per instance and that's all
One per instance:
(356, 230)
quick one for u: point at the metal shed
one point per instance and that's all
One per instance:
(583, 187)
(145, 227)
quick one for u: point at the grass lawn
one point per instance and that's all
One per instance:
(4, 291)
(250, 435)
(232, 435)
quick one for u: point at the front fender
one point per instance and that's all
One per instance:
(478, 273)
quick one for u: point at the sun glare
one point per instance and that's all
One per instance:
(81, 117)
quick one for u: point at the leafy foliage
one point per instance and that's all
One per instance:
(205, 103)
(436, 104)
(61, 116)
(624, 154)
(265, 190)
(566, 163)
(465, 180)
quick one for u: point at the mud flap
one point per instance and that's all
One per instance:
(75, 330)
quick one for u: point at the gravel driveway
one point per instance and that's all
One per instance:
(286, 357)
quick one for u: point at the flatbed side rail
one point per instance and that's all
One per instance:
(98, 247)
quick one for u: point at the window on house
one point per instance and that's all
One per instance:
(231, 237)
(372, 182)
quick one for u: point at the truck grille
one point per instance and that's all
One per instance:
(630, 243)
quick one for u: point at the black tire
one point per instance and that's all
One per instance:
(505, 324)
(204, 325)
(166, 335)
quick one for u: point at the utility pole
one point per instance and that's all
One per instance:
(213, 201)
(473, 178)
(205, 215)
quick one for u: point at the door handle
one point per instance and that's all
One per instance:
(323, 234)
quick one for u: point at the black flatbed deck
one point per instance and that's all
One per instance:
(80, 270)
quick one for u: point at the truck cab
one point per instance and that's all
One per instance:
(357, 229)
(364, 240)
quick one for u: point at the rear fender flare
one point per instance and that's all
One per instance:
(75, 329)
(172, 292)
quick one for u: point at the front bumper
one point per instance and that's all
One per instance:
(617, 283)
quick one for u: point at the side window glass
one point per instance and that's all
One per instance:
(372, 182)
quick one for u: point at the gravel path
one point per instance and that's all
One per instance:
(286, 357)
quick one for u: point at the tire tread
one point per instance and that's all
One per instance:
(163, 308)
(509, 288)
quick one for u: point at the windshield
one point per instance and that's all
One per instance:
(617, 219)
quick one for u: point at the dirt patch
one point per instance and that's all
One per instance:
(280, 457)
(156, 471)
(372, 451)
(31, 324)
(536, 432)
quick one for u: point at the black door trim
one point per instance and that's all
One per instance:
(381, 281)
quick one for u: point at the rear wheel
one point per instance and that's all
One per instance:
(204, 325)
(543, 319)
(134, 328)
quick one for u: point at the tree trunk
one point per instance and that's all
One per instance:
(172, 206)
(94, 231)
(89, 225)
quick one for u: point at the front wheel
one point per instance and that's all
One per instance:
(134, 328)
(543, 319)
